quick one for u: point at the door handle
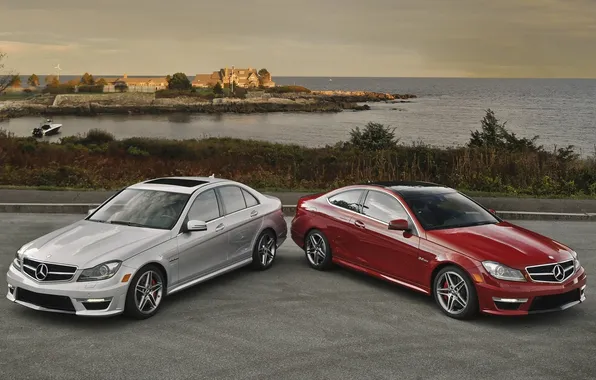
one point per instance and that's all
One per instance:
(359, 224)
(254, 213)
(219, 227)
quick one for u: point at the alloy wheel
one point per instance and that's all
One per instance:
(148, 292)
(316, 250)
(266, 249)
(452, 293)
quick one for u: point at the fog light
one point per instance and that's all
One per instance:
(11, 289)
(94, 300)
(510, 300)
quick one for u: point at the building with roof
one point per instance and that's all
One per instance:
(247, 78)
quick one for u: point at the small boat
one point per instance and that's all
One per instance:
(47, 128)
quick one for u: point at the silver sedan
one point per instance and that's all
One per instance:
(149, 240)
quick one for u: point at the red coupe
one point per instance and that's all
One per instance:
(435, 240)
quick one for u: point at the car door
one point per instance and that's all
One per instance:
(394, 253)
(339, 227)
(203, 252)
(243, 219)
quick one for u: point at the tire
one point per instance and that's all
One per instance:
(317, 250)
(451, 294)
(134, 298)
(264, 251)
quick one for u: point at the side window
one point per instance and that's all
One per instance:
(205, 207)
(232, 198)
(383, 207)
(250, 199)
(347, 199)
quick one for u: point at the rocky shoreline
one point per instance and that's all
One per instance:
(144, 103)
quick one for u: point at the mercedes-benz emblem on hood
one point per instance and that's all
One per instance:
(41, 272)
(558, 272)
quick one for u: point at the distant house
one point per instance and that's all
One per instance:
(247, 78)
(137, 84)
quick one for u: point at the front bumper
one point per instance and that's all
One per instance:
(512, 298)
(95, 298)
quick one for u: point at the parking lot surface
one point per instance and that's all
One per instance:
(293, 322)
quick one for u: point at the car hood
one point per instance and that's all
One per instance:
(86, 244)
(505, 243)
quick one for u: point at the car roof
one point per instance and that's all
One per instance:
(412, 189)
(185, 185)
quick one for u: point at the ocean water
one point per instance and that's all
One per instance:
(560, 111)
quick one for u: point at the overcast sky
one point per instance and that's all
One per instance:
(437, 38)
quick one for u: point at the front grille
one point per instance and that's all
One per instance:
(555, 301)
(47, 301)
(555, 272)
(55, 272)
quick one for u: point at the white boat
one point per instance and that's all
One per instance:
(47, 128)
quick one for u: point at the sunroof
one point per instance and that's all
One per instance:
(177, 182)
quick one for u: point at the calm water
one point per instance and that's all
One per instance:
(561, 111)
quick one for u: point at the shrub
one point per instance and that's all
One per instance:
(286, 89)
(90, 88)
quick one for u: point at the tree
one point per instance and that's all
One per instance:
(87, 79)
(6, 80)
(217, 89)
(179, 81)
(101, 82)
(15, 81)
(52, 81)
(264, 76)
(33, 80)
(375, 136)
(495, 135)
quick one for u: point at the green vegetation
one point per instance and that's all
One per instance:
(179, 81)
(33, 80)
(286, 89)
(97, 160)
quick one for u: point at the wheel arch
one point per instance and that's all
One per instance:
(443, 264)
(161, 268)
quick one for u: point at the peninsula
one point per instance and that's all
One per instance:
(223, 91)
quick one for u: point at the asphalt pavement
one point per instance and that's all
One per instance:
(293, 322)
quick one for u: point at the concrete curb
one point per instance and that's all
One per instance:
(289, 210)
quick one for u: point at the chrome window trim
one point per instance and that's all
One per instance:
(364, 190)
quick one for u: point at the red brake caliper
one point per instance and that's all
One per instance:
(445, 286)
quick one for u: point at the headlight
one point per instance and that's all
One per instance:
(503, 272)
(100, 272)
(575, 260)
(17, 260)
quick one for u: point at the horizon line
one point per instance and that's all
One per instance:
(328, 77)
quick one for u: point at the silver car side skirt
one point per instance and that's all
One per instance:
(210, 275)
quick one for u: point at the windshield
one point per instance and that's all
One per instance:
(142, 208)
(450, 210)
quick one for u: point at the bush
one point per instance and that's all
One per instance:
(90, 89)
(206, 94)
(63, 88)
(286, 89)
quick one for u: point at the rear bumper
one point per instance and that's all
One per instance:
(531, 298)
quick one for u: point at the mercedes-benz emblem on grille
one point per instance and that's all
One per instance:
(41, 272)
(558, 272)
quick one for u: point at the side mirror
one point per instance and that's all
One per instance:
(399, 225)
(195, 225)
(91, 211)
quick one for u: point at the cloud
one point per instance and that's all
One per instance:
(313, 37)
